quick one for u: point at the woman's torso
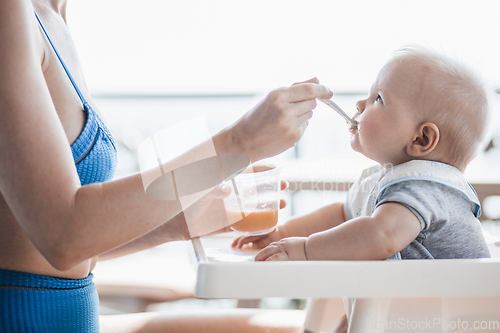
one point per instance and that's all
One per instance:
(16, 250)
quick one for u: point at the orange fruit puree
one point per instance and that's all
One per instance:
(256, 221)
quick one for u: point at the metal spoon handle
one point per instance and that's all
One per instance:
(341, 112)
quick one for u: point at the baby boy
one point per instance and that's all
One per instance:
(423, 121)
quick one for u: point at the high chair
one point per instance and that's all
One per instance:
(459, 295)
(435, 295)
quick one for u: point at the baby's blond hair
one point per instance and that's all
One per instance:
(454, 98)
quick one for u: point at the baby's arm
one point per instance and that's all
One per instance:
(322, 219)
(389, 230)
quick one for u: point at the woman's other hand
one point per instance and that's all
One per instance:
(284, 185)
(260, 242)
(279, 121)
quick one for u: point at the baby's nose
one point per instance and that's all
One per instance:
(360, 106)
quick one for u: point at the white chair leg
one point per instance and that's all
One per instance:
(323, 314)
(368, 314)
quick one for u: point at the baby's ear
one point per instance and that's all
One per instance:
(425, 140)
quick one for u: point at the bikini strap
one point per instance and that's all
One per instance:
(85, 104)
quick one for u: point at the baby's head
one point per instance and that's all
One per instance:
(422, 106)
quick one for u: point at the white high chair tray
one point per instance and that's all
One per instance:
(223, 272)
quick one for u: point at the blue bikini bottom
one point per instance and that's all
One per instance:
(37, 303)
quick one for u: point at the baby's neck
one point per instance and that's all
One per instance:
(388, 165)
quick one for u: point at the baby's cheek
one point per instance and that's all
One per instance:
(373, 140)
(366, 134)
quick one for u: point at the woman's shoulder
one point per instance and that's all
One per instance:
(19, 34)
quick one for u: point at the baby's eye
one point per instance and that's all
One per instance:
(379, 99)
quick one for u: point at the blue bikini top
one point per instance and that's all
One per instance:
(94, 150)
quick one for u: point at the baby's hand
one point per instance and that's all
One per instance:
(260, 242)
(293, 248)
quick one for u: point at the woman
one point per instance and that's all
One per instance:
(56, 214)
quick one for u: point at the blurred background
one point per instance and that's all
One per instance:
(152, 63)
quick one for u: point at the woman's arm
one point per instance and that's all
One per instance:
(69, 223)
(172, 230)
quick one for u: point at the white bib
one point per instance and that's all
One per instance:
(363, 196)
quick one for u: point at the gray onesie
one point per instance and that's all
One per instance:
(444, 203)
(448, 228)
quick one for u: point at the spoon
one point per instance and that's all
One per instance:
(341, 112)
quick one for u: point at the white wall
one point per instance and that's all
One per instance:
(200, 46)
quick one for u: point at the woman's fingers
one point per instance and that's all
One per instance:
(279, 121)
(303, 107)
(302, 119)
(313, 80)
(282, 203)
(284, 185)
(307, 91)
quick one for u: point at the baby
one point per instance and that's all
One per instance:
(422, 122)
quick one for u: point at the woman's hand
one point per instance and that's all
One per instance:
(279, 121)
(260, 242)
(284, 185)
(208, 214)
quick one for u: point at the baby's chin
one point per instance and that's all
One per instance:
(355, 145)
